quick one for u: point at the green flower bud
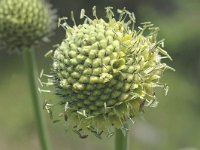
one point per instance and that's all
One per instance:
(114, 70)
(23, 23)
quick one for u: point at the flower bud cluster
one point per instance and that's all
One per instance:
(23, 22)
(106, 71)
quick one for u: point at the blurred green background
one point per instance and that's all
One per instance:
(173, 125)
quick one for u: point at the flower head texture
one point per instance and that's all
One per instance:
(105, 71)
(23, 23)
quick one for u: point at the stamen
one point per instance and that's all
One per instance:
(40, 82)
(133, 122)
(49, 54)
(63, 23)
(82, 13)
(72, 17)
(45, 91)
(109, 13)
(66, 106)
(94, 12)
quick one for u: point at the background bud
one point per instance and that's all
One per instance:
(23, 23)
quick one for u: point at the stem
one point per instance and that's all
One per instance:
(121, 139)
(29, 60)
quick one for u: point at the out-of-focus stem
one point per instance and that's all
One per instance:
(31, 68)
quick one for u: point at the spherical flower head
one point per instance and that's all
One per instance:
(23, 23)
(105, 71)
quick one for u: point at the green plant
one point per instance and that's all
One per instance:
(105, 72)
(23, 23)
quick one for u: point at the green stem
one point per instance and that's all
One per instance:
(121, 140)
(29, 60)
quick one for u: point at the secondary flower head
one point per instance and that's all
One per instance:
(105, 71)
(23, 23)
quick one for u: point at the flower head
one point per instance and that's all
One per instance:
(105, 71)
(23, 23)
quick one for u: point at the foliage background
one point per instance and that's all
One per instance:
(174, 125)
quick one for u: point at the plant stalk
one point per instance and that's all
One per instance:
(121, 139)
(31, 69)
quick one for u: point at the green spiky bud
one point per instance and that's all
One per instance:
(106, 71)
(23, 23)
